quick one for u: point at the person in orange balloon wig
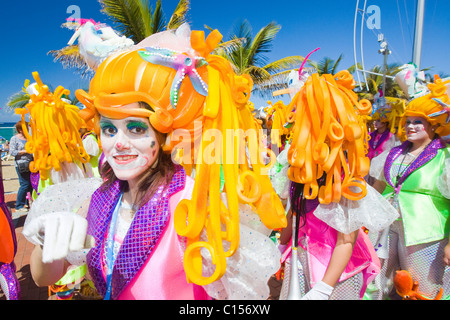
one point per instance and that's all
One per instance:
(328, 255)
(414, 176)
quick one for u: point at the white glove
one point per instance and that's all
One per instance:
(61, 232)
(321, 291)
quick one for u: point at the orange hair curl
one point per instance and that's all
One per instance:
(329, 137)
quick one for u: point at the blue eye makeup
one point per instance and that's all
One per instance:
(137, 127)
(108, 128)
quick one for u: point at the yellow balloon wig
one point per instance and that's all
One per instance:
(54, 125)
(434, 107)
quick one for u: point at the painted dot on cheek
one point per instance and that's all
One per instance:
(153, 144)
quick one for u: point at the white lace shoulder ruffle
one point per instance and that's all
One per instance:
(377, 166)
(373, 212)
(249, 269)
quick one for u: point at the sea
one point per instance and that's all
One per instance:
(7, 130)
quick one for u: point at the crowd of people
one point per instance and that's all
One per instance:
(355, 206)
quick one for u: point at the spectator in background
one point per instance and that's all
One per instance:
(90, 144)
(22, 162)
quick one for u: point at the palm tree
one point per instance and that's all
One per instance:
(19, 99)
(327, 65)
(246, 55)
(375, 82)
(135, 19)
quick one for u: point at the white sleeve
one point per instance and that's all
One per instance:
(377, 166)
(373, 212)
(91, 146)
(443, 182)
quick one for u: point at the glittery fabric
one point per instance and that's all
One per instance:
(424, 262)
(34, 178)
(376, 146)
(8, 281)
(427, 154)
(145, 231)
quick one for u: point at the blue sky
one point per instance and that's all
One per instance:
(30, 29)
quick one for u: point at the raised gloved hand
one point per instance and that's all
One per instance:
(321, 291)
(58, 232)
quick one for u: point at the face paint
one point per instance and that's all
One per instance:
(129, 145)
(418, 129)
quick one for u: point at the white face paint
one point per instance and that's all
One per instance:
(129, 146)
(418, 130)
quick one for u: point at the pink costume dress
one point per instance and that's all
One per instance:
(148, 253)
(319, 234)
(319, 240)
(378, 143)
(167, 262)
(150, 267)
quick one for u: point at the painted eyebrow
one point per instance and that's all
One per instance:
(106, 122)
(137, 123)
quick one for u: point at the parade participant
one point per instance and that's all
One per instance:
(8, 248)
(329, 199)
(90, 144)
(59, 155)
(380, 138)
(414, 177)
(149, 220)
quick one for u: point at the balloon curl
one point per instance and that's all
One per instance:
(330, 138)
(54, 125)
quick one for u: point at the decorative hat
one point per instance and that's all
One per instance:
(54, 124)
(434, 107)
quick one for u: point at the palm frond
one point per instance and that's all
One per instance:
(146, 16)
(352, 69)
(243, 30)
(70, 57)
(287, 63)
(258, 74)
(129, 17)
(18, 100)
(226, 48)
(179, 16)
(336, 64)
(158, 20)
(263, 43)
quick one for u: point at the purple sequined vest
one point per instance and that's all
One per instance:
(427, 155)
(142, 237)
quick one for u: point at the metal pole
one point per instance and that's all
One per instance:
(417, 50)
(362, 43)
(385, 71)
(354, 44)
